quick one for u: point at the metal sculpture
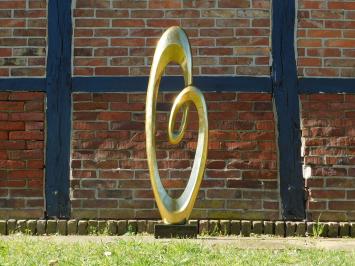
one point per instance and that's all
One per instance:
(174, 46)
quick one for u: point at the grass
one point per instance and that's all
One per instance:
(318, 228)
(24, 250)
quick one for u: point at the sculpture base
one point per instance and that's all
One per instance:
(175, 231)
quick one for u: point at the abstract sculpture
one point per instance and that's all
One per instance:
(174, 46)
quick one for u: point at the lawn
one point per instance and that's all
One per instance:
(24, 250)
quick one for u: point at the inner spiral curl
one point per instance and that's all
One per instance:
(176, 136)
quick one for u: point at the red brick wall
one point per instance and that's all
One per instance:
(21, 154)
(326, 38)
(110, 178)
(328, 127)
(119, 37)
(23, 27)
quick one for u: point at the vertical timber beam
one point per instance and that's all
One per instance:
(58, 88)
(285, 95)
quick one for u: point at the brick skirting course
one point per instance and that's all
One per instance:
(243, 228)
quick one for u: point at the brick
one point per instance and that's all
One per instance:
(245, 228)
(233, 4)
(3, 230)
(82, 227)
(11, 226)
(203, 227)
(92, 4)
(132, 226)
(92, 23)
(290, 228)
(333, 229)
(257, 227)
(344, 230)
(352, 229)
(341, 5)
(269, 228)
(11, 106)
(280, 228)
(92, 227)
(150, 226)
(300, 229)
(51, 227)
(62, 227)
(112, 227)
(193, 222)
(21, 226)
(125, 181)
(141, 226)
(225, 226)
(122, 227)
(214, 227)
(12, 4)
(102, 227)
(41, 227)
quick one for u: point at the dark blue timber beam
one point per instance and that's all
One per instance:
(58, 113)
(172, 83)
(285, 95)
(22, 84)
(326, 85)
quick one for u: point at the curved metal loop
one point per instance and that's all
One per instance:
(174, 46)
(176, 137)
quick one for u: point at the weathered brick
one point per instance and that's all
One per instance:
(132, 226)
(102, 227)
(150, 226)
(11, 226)
(203, 227)
(333, 229)
(245, 228)
(280, 228)
(82, 227)
(31, 226)
(323, 123)
(352, 229)
(122, 227)
(3, 226)
(300, 229)
(141, 226)
(214, 227)
(92, 227)
(51, 227)
(136, 190)
(21, 226)
(225, 226)
(41, 227)
(136, 26)
(269, 227)
(112, 227)
(257, 227)
(312, 17)
(290, 228)
(62, 227)
(344, 230)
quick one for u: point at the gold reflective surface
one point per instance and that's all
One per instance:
(174, 46)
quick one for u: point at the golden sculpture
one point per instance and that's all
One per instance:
(174, 46)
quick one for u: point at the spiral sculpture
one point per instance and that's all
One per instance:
(174, 46)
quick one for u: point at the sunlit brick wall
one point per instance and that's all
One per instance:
(110, 178)
(119, 37)
(328, 129)
(23, 33)
(326, 38)
(21, 154)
